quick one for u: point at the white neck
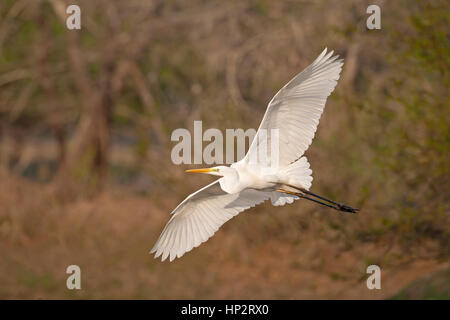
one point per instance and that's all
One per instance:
(230, 180)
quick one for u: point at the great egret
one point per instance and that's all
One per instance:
(295, 111)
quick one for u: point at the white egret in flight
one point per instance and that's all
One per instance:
(294, 111)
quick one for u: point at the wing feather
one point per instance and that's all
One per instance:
(200, 215)
(296, 109)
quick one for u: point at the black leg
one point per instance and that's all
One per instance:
(340, 206)
(337, 206)
(320, 202)
(317, 196)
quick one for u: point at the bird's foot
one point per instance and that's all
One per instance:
(345, 208)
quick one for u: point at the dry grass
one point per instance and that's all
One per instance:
(109, 237)
(90, 109)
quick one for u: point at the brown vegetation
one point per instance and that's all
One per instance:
(85, 124)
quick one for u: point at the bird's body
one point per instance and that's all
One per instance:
(281, 175)
(242, 176)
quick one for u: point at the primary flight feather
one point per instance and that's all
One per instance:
(283, 177)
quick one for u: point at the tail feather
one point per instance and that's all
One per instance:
(297, 174)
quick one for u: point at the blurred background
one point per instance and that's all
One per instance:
(85, 171)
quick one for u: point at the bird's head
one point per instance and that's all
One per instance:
(215, 171)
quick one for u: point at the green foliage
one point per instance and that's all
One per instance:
(434, 287)
(382, 144)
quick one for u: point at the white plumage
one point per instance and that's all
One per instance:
(295, 111)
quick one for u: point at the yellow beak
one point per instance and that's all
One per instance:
(204, 170)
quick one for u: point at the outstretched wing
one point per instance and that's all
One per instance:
(200, 215)
(295, 111)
